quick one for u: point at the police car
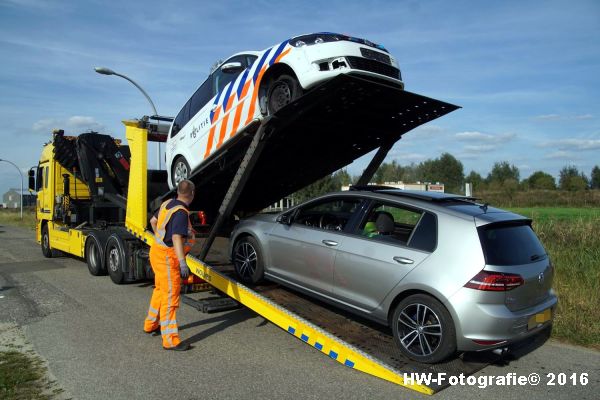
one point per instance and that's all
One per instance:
(250, 85)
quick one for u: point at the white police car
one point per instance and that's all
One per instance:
(250, 85)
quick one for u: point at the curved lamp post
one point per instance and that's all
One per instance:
(20, 173)
(108, 71)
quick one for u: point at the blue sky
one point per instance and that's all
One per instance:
(527, 73)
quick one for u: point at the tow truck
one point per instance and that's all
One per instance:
(96, 194)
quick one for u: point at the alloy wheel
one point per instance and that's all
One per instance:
(419, 329)
(245, 259)
(181, 171)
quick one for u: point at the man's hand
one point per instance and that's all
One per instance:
(184, 270)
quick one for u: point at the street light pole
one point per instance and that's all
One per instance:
(20, 173)
(108, 71)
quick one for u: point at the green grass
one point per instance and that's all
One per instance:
(13, 217)
(558, 213)
(23, 376)
(572, 238)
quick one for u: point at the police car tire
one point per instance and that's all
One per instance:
(180, 159)
(282, 82)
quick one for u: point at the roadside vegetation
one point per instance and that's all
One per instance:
(12, 217)
(23, 377)
(571, 237)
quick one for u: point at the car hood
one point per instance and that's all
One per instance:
(263, 218)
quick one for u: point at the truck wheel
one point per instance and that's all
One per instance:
(282, 91)
(116, 258)
(47, 251)
(248, 260)
(94, 253)
(180, 171)
(423, 329)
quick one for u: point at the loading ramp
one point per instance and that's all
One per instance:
(350, 340)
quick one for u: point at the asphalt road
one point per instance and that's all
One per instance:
(90, 332)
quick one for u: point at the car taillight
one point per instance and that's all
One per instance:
(494, 281)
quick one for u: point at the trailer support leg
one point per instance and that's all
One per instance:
(375, 163)
(237, 185)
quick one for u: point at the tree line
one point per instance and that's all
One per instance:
(446, 169)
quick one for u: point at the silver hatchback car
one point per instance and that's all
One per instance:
(447, 274)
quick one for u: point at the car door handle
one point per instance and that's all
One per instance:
(403, 260)
(214, 108)
(330, 243)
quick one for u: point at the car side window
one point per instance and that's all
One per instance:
(201, 97)
(400, 225)
(181, 119)
(220, 79)
(331, 214)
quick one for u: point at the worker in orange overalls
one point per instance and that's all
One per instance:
(174, 238)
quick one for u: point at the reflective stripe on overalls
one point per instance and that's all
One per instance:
(167, 279)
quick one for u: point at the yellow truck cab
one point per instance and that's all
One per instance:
(51, 201)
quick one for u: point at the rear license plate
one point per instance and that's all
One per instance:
(539, 318)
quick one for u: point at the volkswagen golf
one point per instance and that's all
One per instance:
(446, 273)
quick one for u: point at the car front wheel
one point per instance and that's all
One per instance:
(180, 171)
(423, 329)
(282, 91)
(248, 260)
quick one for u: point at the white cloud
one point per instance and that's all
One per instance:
(560, 155)
(573, 144)
(479, 137)
(74, 124)
(482, 148)
(557, 117)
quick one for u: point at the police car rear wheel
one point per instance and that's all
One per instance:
(181, 170)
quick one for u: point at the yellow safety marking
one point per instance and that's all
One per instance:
(333, 347)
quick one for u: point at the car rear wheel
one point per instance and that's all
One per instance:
(181, 170)
(423, 329)
(283, 90)
(248, 260)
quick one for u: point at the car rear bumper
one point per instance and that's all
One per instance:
(493, 324)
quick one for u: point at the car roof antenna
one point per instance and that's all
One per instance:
(484, 207)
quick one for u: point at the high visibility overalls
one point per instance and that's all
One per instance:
(167, 279)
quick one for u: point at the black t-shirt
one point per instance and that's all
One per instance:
(178, 224)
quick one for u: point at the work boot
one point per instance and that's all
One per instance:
(180, 347)
(155, 332)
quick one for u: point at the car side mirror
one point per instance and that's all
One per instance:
(31, 175)
(232, 67)
(285, 219)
